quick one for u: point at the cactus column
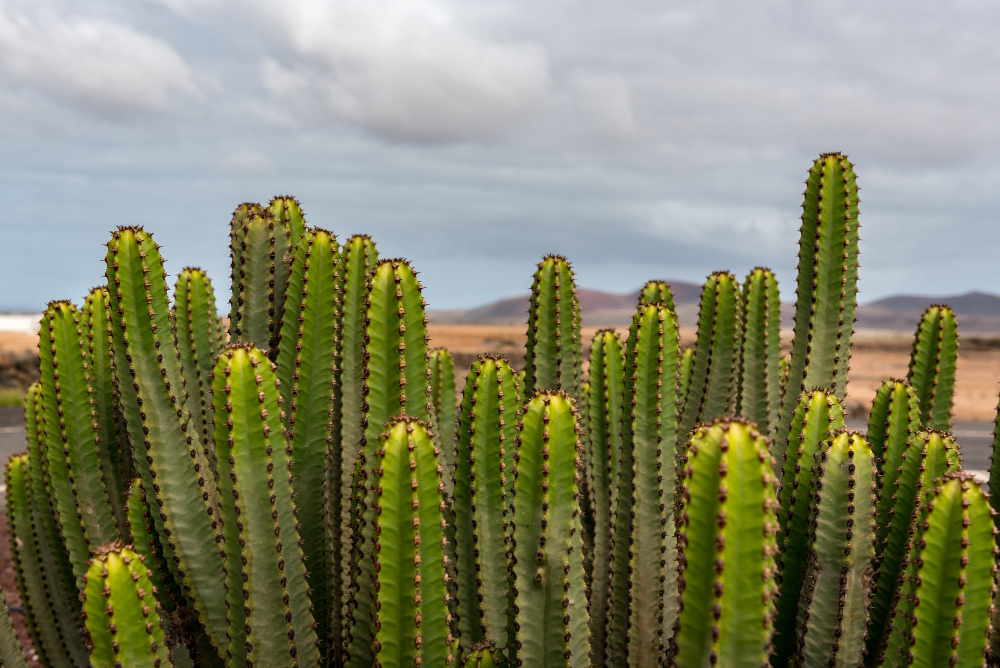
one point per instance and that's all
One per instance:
(445, 407)
(827, 286)
(932, 366)
(657, 292)
(554, 357)
(550, 598)
(643, 589)
(759, 397)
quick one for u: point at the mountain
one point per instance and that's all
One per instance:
(976, 312)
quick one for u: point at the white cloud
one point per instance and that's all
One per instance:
(607, 102)
(104, 67)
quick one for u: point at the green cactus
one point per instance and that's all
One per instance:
(287, 209)
(942, 611)
(181, 490)
(122, 615)
(657, 292)
(445, 403)
(412, 620)
(642, 605)
(930, 455)
(307, 363)
(711, 391)
(269, 616)
(240, 216)
(684, 374)
(145, 543)
(827, 286)
(550, 598)
(11, 655)
(260, 276)
(833, 608)
(759, 398)
(396, 381)
(49, 608)
(554, 356)
(932, 366)
(818, 415)
(79, 480)
(604, 430)
(483, 479)
(726, 540)
(199, 338)
(484, 655)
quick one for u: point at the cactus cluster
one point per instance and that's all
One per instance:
(305, 484)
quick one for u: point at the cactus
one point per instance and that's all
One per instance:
(836, 594)
(307, 364)
(711, 391)
(240, 216)
(76, 463)
(49, 608)
(483, 478)
(269, 617)
(726, 540)
(657, 292)
(759, 398)
(175, 472)
(287, 209)
(412, 621)
(945, 600)
(199, 338)
(818, 415)
(554, 356)
(642, 606)
(396, 379)
(684, 374)
(930, 455)
(604, 430)
(146, 545)
(122, 615)
(550, 599)
(445, 403)
(827, 286)
(11, 655)
(484, 655)
(260, 277)
(932, 366)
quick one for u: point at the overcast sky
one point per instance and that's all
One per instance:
(641, 138)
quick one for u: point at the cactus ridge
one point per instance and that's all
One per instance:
(443, 397)
(274, 613)
(554, 355)
(657, 292)
(944, 604)
(167, 451)
(550, 602)
(306, 371)
(642, 551)
(933, 363)
(818, 416)
(759, 384)
(483, 479)
(833, 609)
(711, 391)
(144, 542)
(726, 518)
(827, 283)
(122, 616)
(411, 613)
(929, 456)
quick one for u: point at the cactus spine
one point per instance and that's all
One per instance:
(550, 598)
(122, 615)
(817, 416)
(307, 364)
(180, 487)
(76, 463)
(270, 585)
(484, 475)
(643, 549)
(260, 276)
(445, 404)
(945, 598)
(412, 621)
(711, 391)
(607, 370)
(726, 541)
(554, 357)
(932, 366)
(930, 455)
(199, 339)
(827, 286)
(657, 292)
(760, 379)
(835, 596)
(396, 380)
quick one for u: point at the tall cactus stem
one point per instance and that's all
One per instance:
(759, 397)
(657, 292)
(287, 209)
(444, 399)
(932, 366)
(554, 356)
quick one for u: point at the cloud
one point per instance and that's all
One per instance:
(100, 66)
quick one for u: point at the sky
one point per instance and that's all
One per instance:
(642, 139)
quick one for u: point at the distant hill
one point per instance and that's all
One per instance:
(976, 312)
